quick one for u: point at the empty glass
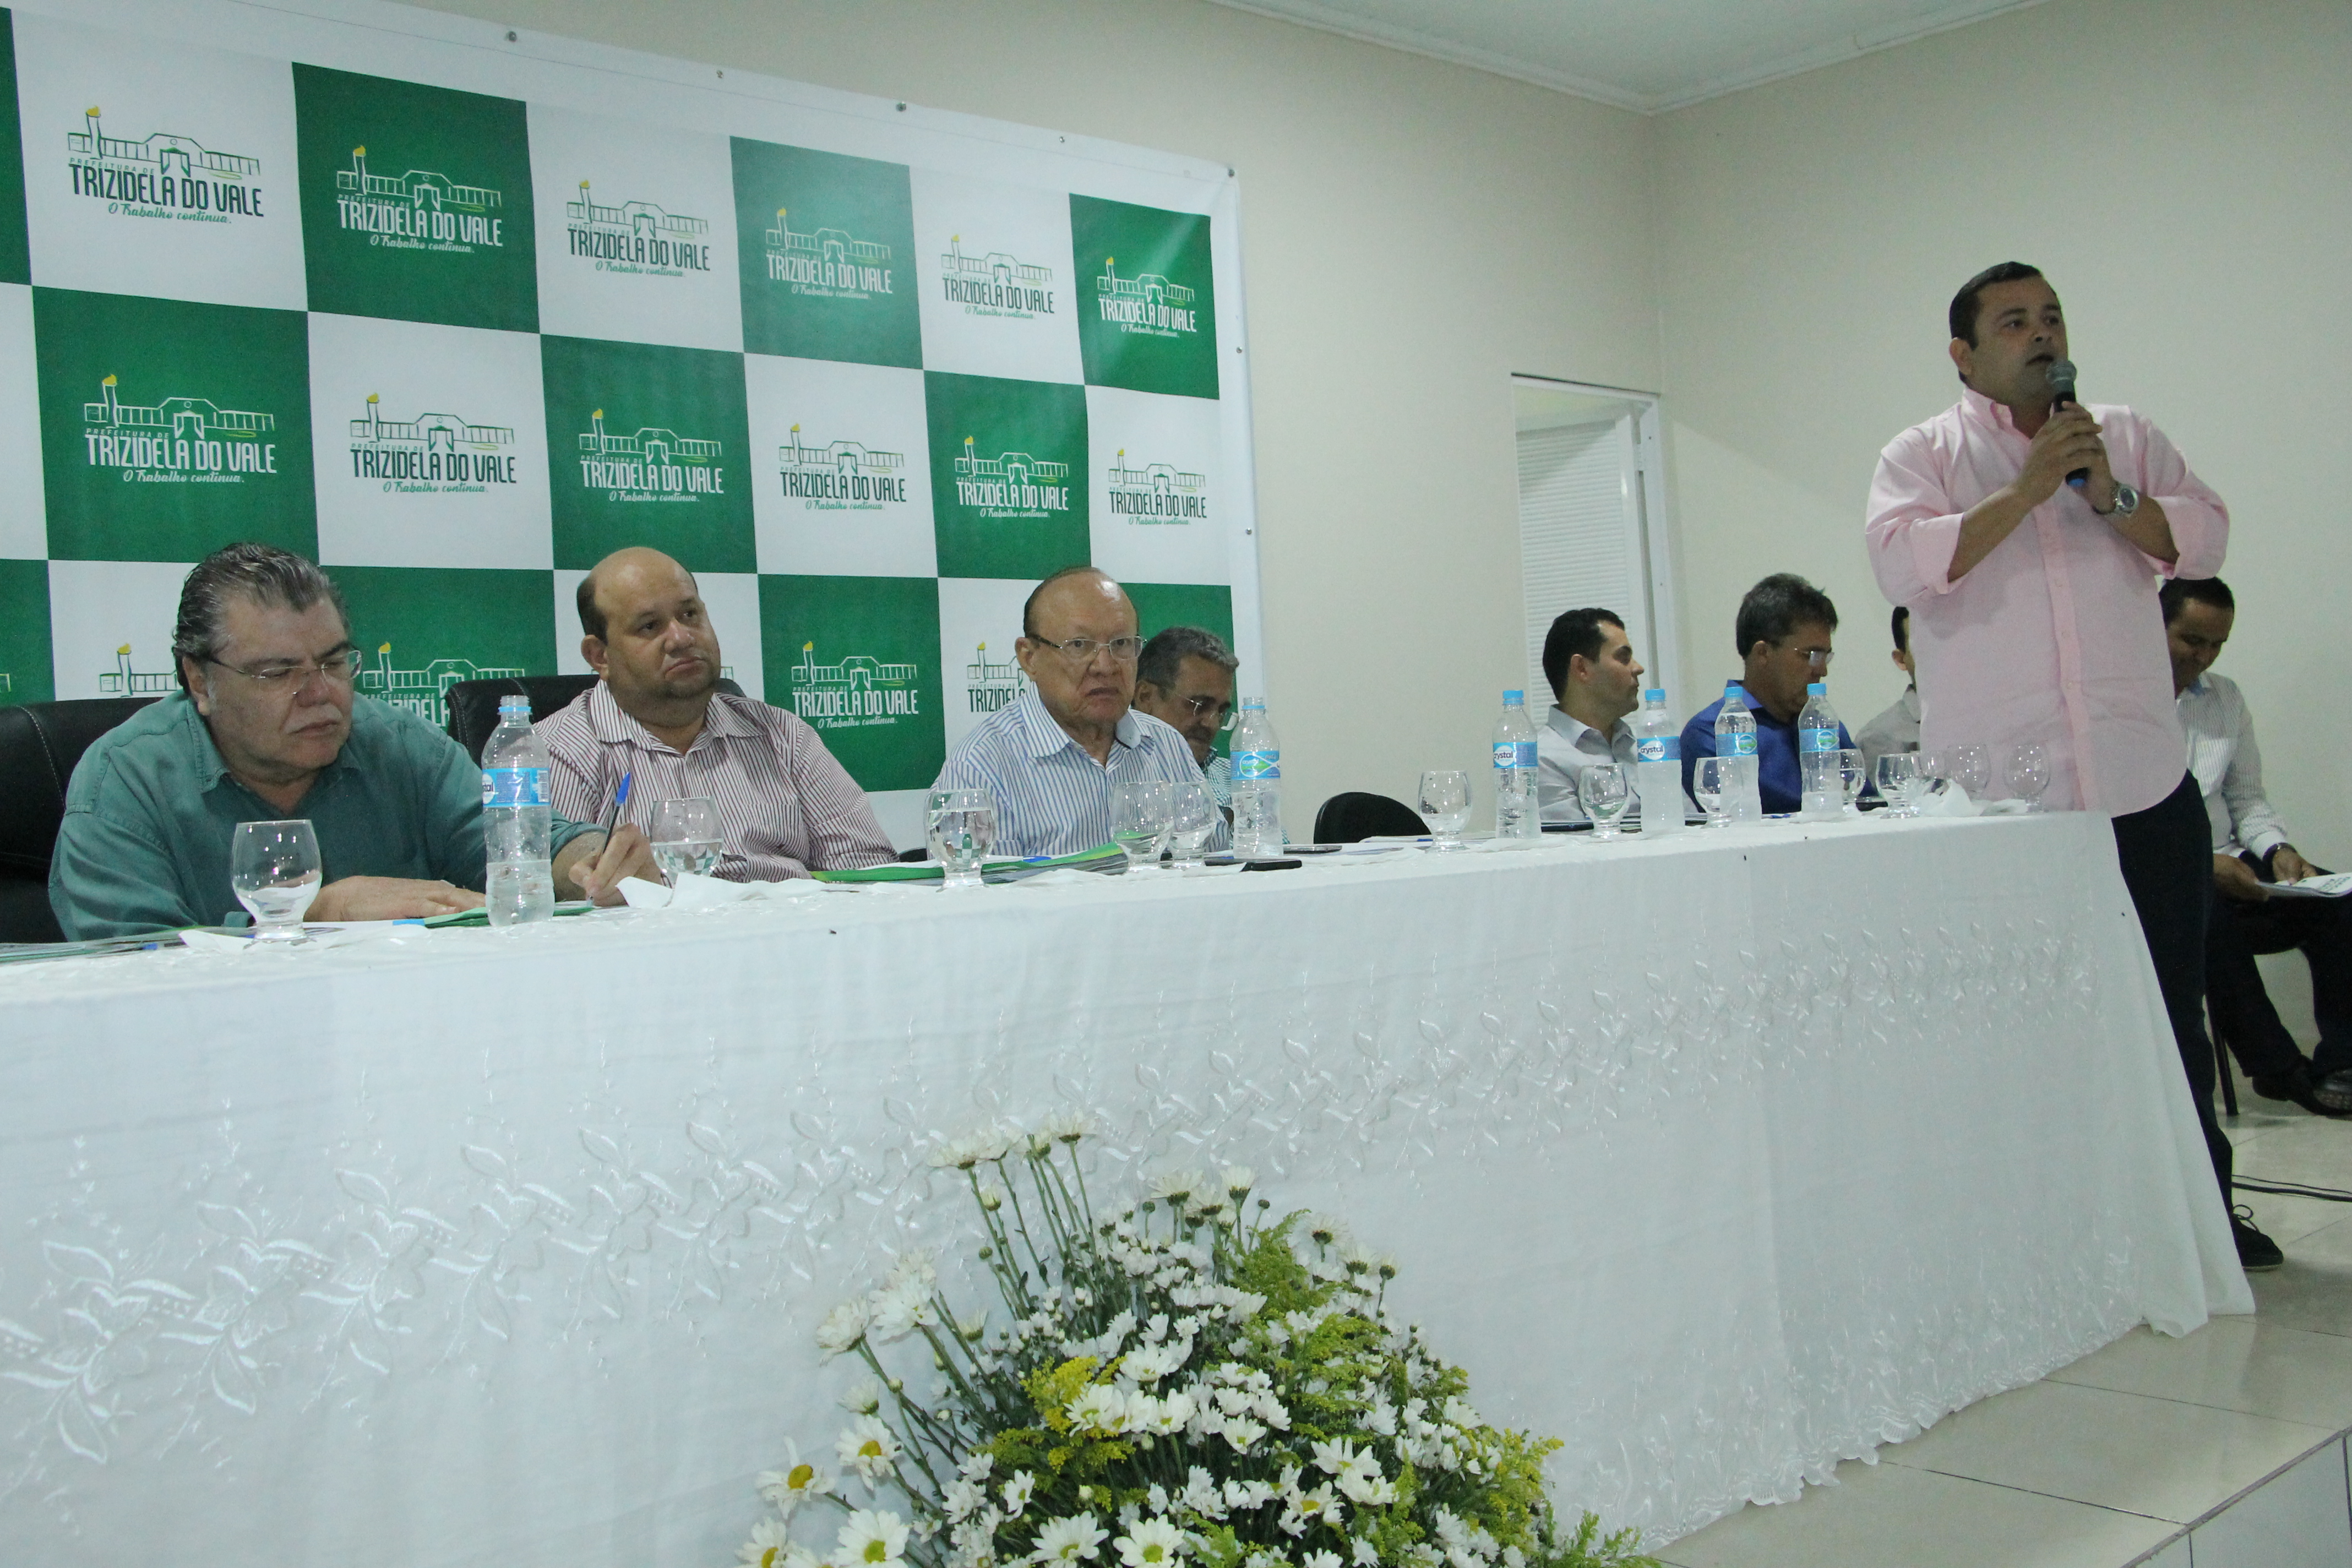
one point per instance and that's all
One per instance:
(1968, 765)
(1709, 777)
(2027, 774)
(1140, 817)
(686, 837)
(1902, 779)
(960, 827)
(274, 869)
(1191, 817)
(1852, 775)
(1445, 806)
(1607, 794)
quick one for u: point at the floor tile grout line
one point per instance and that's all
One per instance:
(2054, 1496)
(2194, 1404)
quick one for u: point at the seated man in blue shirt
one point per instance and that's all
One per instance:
(266, 727)
(1051, 756)
(1784, 629)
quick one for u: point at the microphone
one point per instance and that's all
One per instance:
(2061, 395)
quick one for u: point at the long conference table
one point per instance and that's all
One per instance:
(1722, 1157)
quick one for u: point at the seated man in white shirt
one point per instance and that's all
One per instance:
(1595, 682)
(657, 719)
(1897, 728)
(1185, 679)
(2250, 853)
(1051, 756)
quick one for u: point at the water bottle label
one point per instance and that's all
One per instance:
(1740, 745)
(1250, 767)
(514, 787)
(1818, 739)
(1515, 753)
(1658, 749)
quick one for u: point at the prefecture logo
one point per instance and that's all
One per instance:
(431, 453)
(992, 686)
(1010, 484)
(842, 477)
(123, 680)
(636, 236)
(858, 691)
(420, 210)
(1146, 303)
(1157, 492)
(177, 440)
(166, 175)
(424, 692)
(830, 263)
(996, 284)
(654, 464)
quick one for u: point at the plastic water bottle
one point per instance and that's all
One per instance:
(1735, 736)
(1516, 815)
(1658, 766)
(1257, 785)
(1817, 756)
(517, 821)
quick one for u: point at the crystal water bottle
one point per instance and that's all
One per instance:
(1515, 813)
(1658, 766)
(1735, 736)
(1817, 756)
(517, 821)
(1257, 785)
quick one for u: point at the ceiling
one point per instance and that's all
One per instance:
(1642, 54)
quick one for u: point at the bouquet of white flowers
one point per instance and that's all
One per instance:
(1187, 1380)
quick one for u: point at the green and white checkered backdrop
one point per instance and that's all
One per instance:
(460, 323)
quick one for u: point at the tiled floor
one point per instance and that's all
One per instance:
(2126, 1457)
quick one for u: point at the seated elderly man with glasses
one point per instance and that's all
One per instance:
(1050, 756)
(1185, 677)
(266, 726)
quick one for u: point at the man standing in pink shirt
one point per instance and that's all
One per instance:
(2026, 537)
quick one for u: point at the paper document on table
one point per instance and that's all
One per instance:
(2334, 885)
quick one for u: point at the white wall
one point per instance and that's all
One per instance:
(2179, 169)
(1413, 233)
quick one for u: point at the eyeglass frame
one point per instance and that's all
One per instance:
(1068, 649)
(278, 678)
(1199, 706)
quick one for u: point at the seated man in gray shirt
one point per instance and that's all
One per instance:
(266, 727)
(1897, 728)
(1595, 682)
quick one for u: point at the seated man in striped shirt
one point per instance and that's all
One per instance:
(658, 718)
(1051, 756)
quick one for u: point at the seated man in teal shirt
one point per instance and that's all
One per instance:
(266, 726)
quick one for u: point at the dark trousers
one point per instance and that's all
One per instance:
(2243, 1013)
(2167, 854)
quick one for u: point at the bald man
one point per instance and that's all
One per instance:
(657, 716)
(1051, 757)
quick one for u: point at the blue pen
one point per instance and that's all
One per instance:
(620, 799)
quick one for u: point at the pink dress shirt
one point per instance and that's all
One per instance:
(2056, 636)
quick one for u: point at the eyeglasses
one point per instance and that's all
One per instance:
(1203, 706)
(1081, 650)
(286, 675)
(1816, 656)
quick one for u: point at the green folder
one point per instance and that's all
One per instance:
(1104, 857)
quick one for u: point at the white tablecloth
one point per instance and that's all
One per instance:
(1722, 1158)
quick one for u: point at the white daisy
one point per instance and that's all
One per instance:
(1100, 1408)
(1017, 1492)
(1067, 1540)
(1239, 1180)
(1321, 1560)
(1068, 1127)
(1175, 1187)
(871, 1538)
(766, 1545)
(862, 1398)
(868, 1448)
(1151, 1544)
(843, 1328)
(793, 1485)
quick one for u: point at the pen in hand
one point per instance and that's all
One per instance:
(620, 799)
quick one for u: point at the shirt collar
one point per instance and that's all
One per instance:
(1573, 729)
(2196, 688)
(612, 725)
(1046, 737)
(1996, 415)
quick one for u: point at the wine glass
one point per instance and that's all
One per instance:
(1852, 775)
(1710, 776)
(1901, 778)
(274, 869)
(2027, 774)
(1141, 815)
(686, 837)
(1445, 806)
(1607, 794)
(1968, 765)
(1191, 817)
(960, 827)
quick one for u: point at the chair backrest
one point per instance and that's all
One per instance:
(39, 745)
(1358, 814)
(474, 704)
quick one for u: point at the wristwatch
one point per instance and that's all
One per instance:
(2126, 502)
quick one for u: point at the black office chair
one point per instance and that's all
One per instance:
(474, 704)
(1358, 815)
(39, 745)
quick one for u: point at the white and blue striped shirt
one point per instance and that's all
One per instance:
(1052, 798)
